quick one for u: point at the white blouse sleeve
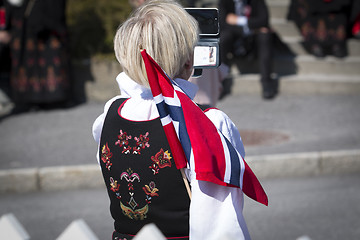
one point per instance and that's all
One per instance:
(99, 122)
(216, 211)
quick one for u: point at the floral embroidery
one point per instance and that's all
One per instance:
(115, 187)
(161, 159)
(151, 189)
(106, 156)
(130, 177)
(130, 144)
(141, 142)
(123, 142)
(155, 168)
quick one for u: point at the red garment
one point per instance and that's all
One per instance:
(356, 26)
(2, 18)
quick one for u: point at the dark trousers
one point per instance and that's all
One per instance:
(234, 42)
(230, 42)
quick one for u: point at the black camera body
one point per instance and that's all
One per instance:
(207, 51)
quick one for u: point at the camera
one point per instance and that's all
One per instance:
(206, 52)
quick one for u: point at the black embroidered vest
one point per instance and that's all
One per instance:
(142, 180)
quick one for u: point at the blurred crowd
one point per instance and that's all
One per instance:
(326, 25)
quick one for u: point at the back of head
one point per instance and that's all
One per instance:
(165, 30)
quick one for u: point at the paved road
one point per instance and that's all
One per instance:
(325, 207)
(292, 124)
(318, 207)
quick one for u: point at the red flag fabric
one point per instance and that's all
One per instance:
(195, 141)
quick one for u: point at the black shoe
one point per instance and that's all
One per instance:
(270, 88)
(226, 87)
(268, 94)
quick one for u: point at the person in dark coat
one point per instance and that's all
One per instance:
(323, 25)
(241, 20)
(40, 62)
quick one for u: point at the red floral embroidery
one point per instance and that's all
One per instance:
(141, 142)
(162, 159)
(114, 185)
(130, 177)
(155, 168)
(123, 142)
(106, 155)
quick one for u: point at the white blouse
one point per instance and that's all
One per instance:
(215, 211)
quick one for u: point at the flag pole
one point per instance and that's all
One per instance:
(186, 182)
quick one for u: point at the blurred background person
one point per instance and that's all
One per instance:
(4, 61)
(355, 19)
(40, 75)
(210, 85)
(323, 25)
(240, 22)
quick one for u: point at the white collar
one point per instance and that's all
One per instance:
(129, 88)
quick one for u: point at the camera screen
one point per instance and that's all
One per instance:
(207, 18)
(205, 56)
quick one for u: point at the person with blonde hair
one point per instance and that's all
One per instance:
(143, 183)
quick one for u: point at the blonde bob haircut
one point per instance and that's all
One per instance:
(165, 30)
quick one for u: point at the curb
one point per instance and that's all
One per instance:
(267, 166)
(50, 178)
(306, 164)
(299, 85)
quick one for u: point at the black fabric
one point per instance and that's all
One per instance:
(265, 54)
(134, 162)
(259, 16)
(120, 236)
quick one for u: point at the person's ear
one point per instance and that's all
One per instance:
(187, 69)
(190, 62)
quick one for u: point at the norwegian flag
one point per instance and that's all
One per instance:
(194, 139)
